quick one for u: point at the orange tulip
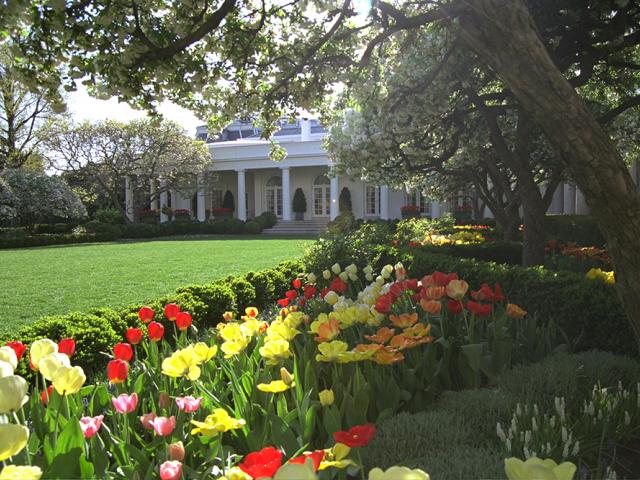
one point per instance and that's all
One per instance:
(434, 293)
(419, 330)
(328, 330)
(431, 306)
(404, 320)
(368, 347)
(515, 312)
(387, 357)
(401, 342)
(382, 335)
(456, 289)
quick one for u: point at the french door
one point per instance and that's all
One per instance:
(274, 200)
(321, 200)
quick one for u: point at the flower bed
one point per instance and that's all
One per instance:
(309, 377)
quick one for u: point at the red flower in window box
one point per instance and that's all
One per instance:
(410, 209)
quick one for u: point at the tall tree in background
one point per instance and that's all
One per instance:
(105, 154)
(551, 56)
(25, 117)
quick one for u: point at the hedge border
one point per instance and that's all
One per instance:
(97, 330)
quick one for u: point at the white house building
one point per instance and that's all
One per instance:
(242, 166)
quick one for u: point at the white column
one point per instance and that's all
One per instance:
(163, 203)
(286, 194)
(569, 199)
(202, 216)
(557, 204)
(128, 198)
(154, 194)
(435, 209)
(581, 204)
(384, 202)
(242, 200)
(333, 193)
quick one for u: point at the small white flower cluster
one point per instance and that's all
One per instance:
(558, 434)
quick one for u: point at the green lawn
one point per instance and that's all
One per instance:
(59, 279)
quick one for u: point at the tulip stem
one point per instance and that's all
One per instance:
(361, 464)
(55, 432)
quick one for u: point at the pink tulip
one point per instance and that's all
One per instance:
(188, 404)
(171, 470)
(90, 425)
(125, 403)
(163, 425)
(146, 420)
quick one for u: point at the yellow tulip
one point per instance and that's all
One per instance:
(219, 421)
(326, 398)
(40, 349)
(68, 380)
(294, 319)
(537, 468)
(232, 332)
(204, 352)
(296, 471)
(20, 472)
(398, 473)
(233, 347)
(286, 377)
(456, 289)
(178, 366)
(334, 351)
(235, 473)
(275, 351)
(13, 393)
(7, 354)
(50, 363)
(331, 297)
(13, 438)
(336, 457)
(280, 331)
(6, 369)
(276, 386)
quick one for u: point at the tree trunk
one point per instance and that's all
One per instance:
(535, 232)
(503, 33)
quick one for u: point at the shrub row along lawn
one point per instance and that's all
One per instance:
(59, 279)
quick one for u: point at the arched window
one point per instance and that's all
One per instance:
(273, 194)
(321, 180)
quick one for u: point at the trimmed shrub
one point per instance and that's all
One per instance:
(217, 298)
(228, 201)
(344, 200)
(267, 219)
(263, 284)
(299, 201)
(581, 229)
(439, 442)
(109, 215)
(499, 252)
(244, 292)
(252, 228)
(570, 376)
(94, 336)
(54, 227)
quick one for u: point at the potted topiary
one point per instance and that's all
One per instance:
(228, 205)
(344, 202)
(299, 204)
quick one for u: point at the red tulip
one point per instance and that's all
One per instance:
(123, 351)
(171, 311)
(291, 294)
(357, 436)
(67, 346)
(338, 286)
(117, 371)
(45, 396)
(134, 336)
(309, 291)
(316, 457)
(18, 348)
(283, 302)
(264, 463)
(183, 321)
(384, 302)
(454, 306)
(145, 314)
(480, 309)
(155, 331)
(297, 283)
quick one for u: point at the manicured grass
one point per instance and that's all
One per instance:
(59, 279)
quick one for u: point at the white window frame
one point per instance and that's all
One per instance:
(376, 201)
